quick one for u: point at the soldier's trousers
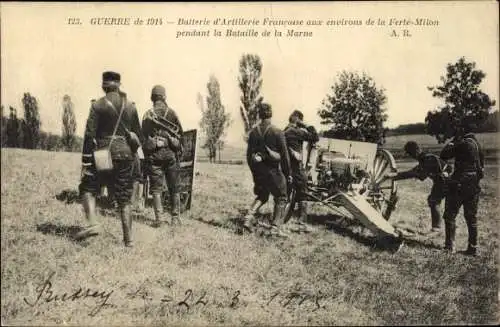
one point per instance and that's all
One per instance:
(168, 169)
(464, 194)
(269, 180)
(299, 181)
(138, 170)
(120, 180)
(438, 193)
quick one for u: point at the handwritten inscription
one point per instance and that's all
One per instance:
(188, 301)
(164, 302)
(297, 299)
(45, 294)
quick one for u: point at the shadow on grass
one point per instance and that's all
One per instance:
(67, 232)
(342, 226)
(235, 222)
(421, 244)
(345, 227)
(69, 196)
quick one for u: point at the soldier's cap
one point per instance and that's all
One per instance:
(110, 78)
(411, 147)
(298, 114)
(265, 111)
(158, 90)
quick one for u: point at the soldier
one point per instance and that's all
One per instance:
(112, 123)
(296, 133)
(269, 162)
(464, 186)
(429, 166)
(162, 132)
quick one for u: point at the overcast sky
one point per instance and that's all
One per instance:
(45, 56)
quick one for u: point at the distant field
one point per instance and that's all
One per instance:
(205, 273)
(487, 140)
(229, 153)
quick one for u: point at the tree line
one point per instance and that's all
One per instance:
(490, 125)
(26, 132)
(354, 109)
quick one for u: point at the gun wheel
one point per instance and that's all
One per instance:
(381, 194)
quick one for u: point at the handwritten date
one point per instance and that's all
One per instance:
(298, 299)
(189, 300)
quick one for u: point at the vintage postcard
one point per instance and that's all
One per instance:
(258, 163)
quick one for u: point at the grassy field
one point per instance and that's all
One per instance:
(205, 273)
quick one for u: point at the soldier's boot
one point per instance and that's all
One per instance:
(279, 219)
(302, 221)
(450, 237)
(471, 250)
(93, 228)
(133, 199)
(435, 217)
(141, 200)
(158, 209)
(472, 246)
(137, 197)
(126, 219)
(176, 209)
(249, 218)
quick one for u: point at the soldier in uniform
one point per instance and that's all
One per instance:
(296, 133)
(162, 148)
(112, 123)
(268, 159)
(429, 166)
(464, 186)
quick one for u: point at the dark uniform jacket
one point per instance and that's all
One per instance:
(469, 158)
(274, 139)
(152, 131)
(101, 123)
(429, 166)
(295, 137)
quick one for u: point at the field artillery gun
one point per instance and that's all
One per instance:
(348, 178)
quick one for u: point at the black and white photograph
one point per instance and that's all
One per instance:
(250, 163)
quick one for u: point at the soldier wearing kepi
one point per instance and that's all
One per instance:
(464, 186)
(112, 124)
(429, 166)
(269, 162)
(162, 149)
(296, 133)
